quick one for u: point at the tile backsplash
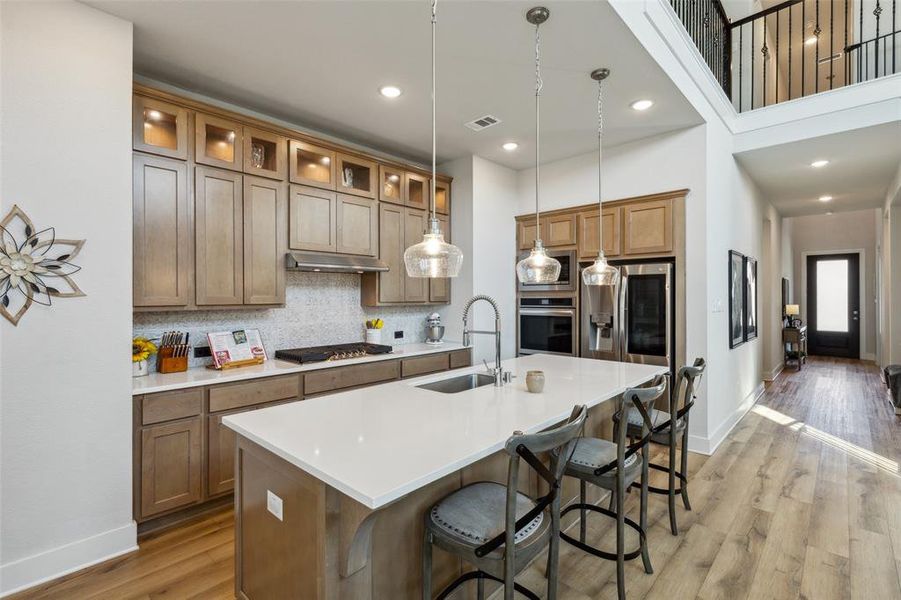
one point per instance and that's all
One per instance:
(320, 308)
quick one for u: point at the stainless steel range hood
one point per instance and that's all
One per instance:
(333, 263)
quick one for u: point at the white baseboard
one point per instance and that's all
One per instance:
(708, 446)
(773, 373)
(57, 562)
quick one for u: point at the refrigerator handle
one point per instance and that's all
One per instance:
(623, 309)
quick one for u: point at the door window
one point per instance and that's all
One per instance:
(832, 295)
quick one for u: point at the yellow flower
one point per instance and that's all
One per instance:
(141, 349)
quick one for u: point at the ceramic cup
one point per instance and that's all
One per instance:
(535, 381)
(373, 336)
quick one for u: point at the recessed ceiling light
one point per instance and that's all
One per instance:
(390, 91)
(825, 198)
(811, 40)
(828, 213)
(510, 146)
(154, 114)
(642, 104)
(819, 164)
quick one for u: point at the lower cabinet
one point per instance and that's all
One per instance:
(171, 464)
(184, 454)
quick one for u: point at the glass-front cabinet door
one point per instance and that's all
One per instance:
(160, 128)
(391, 185)
(218, 142)
(418, 191)
(265, 153)
(356, 175)
(311, 165)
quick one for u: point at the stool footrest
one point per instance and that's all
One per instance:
(483, 575)
(664, 491)
(591, 549)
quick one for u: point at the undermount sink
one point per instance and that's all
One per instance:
(458, 384)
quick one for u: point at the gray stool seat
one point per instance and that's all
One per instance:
(476, 513)
(592, 454)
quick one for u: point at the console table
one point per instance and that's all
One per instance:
(794, 339)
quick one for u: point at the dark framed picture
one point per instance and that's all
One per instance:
(736, 299)
(786, 295)
(750, 298)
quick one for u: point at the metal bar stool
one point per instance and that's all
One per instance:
(498, 529)
(615, 466)
(666, 431)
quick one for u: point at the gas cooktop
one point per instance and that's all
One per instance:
(330, 353)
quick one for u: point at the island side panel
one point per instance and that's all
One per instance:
(277, 558)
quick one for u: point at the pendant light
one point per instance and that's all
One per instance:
(601, 272)
(538, 267)
(433, 257)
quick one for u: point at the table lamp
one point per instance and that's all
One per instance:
(792, 311)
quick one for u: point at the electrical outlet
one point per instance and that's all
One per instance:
(399, 335)
(202, 352)
(274, 505)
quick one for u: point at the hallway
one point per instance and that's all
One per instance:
(801, 501)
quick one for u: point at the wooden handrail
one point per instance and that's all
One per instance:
(765, 13)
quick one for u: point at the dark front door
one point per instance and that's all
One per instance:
(833, 305)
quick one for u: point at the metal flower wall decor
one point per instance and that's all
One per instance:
(35, 269)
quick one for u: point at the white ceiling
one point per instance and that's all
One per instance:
(862, 163)
(320, 64)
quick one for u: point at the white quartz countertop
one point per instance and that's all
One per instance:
(379, 443)
(159, 382)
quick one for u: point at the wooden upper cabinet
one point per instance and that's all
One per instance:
(442, 198)
(311, 165)
(161, 232)
(526, 232)
(439, 289)
(218, 142)
(159, 127)
(219, 237)
(265, 153)
(171, 465)
(416, 289)
(356, 175)
(418, 191)
(358, 221)
(313, 219)
(391, 251)
(588, 233)
(648, 227)
(392, 185)
(265, 240)
(558, 230)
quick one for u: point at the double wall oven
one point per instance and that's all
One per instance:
(548, 313)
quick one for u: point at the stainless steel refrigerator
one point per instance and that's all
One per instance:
(632, 321)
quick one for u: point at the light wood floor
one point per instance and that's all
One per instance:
(802, 500)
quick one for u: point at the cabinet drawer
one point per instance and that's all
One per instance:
(422, 365)
(168, 406)
(460, 359)
(256, 391)
(327, 380)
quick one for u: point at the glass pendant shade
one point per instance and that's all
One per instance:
(601, 272)
(433, 257)
(538, 267)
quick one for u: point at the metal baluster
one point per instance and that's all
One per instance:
(741, 54)
(832, 42)
(862, 47)
(803, 46)
(845, 54)
(753, 52)
(877, 11)
(790, 52)
(817, 31)
(776, 64)
(764, 51)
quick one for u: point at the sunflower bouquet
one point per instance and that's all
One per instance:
(142, 349)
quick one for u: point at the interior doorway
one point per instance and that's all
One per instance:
(833, 304)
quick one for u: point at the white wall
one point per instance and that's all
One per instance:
(816, 234)
(65, 396)
(483, 227)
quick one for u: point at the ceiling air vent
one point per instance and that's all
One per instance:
(483, 122)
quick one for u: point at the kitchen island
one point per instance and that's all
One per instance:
(331, 492)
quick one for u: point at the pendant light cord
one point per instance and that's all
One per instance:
(538, 85)
(434, 126)
(600, 161)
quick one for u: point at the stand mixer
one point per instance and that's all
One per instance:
(434, 330)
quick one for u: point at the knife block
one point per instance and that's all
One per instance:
(166, 363)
